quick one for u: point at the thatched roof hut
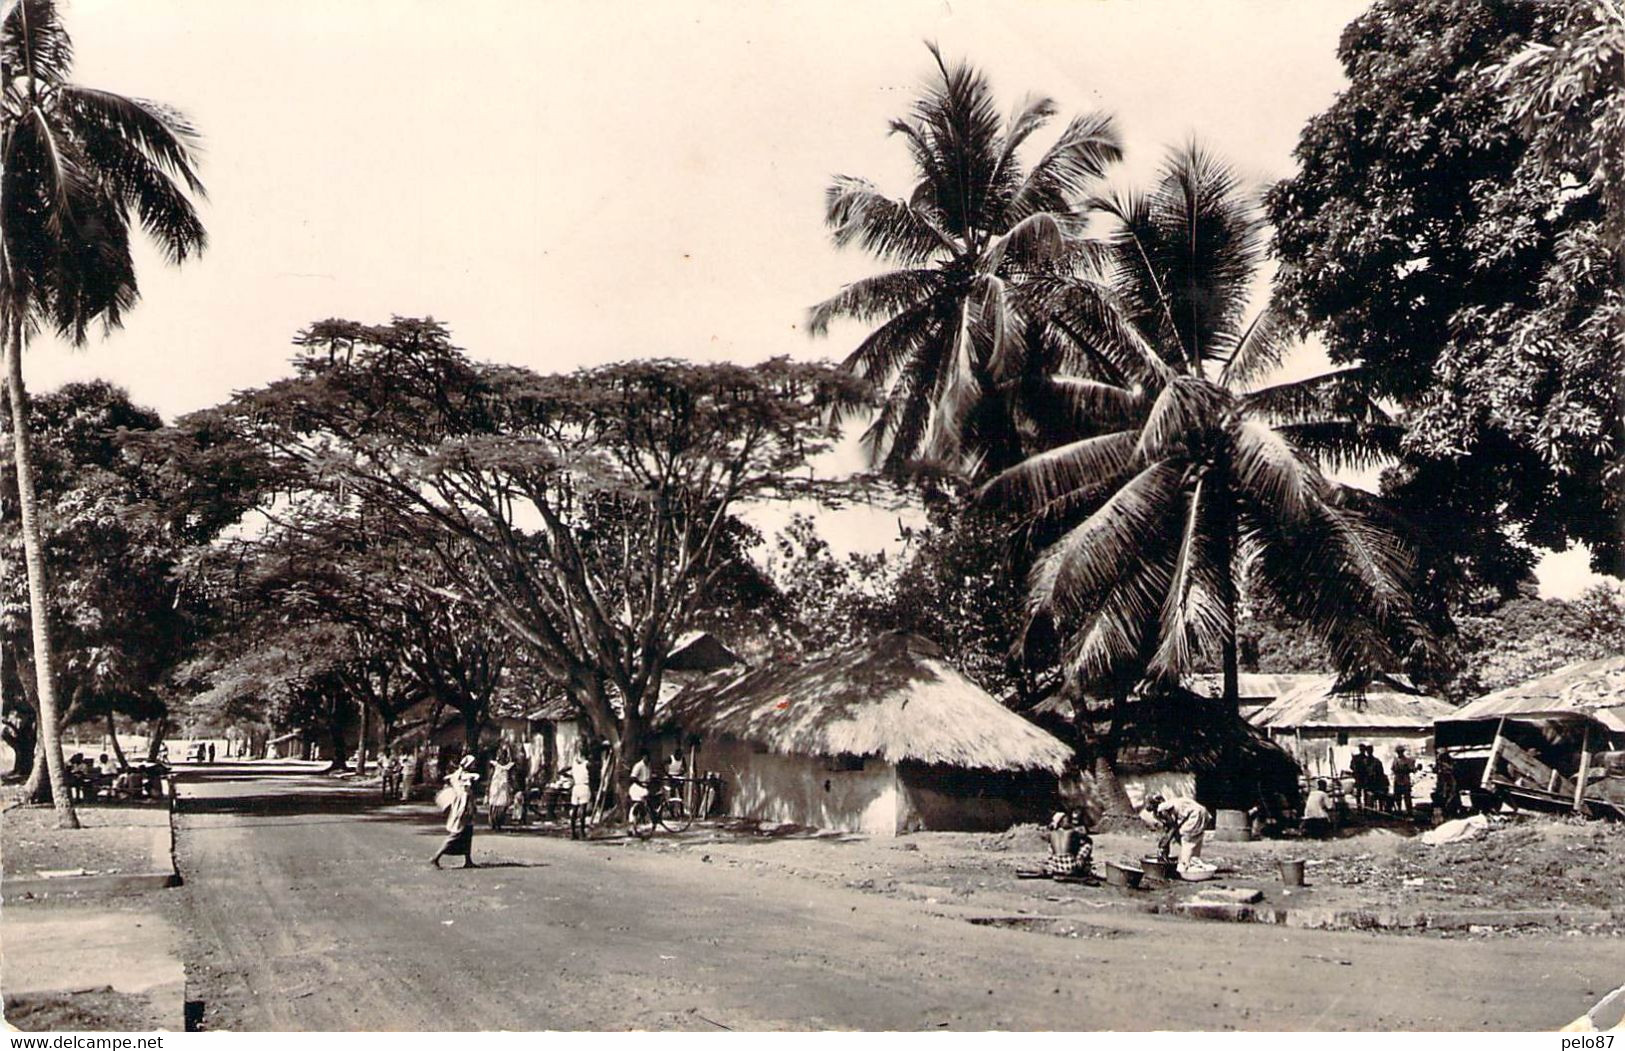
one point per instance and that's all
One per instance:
(895, 698)
(881, 736)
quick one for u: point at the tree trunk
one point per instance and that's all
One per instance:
(1114, 799)
(112, 735)
(156, 740)
(1227, 597)
(361, 742)
(38, 593)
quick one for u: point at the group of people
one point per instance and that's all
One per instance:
(505, 785)
(1372, 789)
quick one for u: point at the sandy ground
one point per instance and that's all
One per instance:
(108, 964)
(1524, 863)
(112, 839)
(308, 906)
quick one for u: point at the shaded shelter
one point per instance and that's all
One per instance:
(1556, 742)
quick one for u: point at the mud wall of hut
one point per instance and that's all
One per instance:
(943, 799)
(804, 790)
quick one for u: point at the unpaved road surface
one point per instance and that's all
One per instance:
(309, 905)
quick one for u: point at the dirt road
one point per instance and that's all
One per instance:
(309, 905)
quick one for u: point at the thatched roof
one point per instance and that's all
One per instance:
(1589, 688)
(894, 697)
(1388, 702)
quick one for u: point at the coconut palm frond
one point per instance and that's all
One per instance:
(1072, 573)
(1256, 351)
(34, 44)
(1344, 444)
(1268, 470)
(1080, 157)
(1027, 118)
(1340, 394)
(872, 298)
(1185, 413)
(1094, 321)
(1038, 239)
(1049, 476)
(157, 132)
(858, 213)
(961, 122)
(1114, 637)
(1087, 401)
(883, 354)
(1192, 614)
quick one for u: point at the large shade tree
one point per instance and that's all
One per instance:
(952, 345)
(1191, 474)
(1455, 227)
(594, 515)
(78, 167)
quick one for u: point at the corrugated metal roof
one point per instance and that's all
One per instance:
(1255, 685)
(1383, 704)
(1594, 688)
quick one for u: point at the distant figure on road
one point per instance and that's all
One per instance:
(580, 795)
(1404, 768)
(460, 815)
(499, 795)
(211, 751)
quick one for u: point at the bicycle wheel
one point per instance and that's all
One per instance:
(674, 816)
(641, 819)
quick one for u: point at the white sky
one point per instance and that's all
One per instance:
(569, 183)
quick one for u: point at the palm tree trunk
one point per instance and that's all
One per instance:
(34, 558)
(1227, 596)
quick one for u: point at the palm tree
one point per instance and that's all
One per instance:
(951, 340)
(1185, 475)
(77, 165)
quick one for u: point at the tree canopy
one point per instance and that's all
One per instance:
(1455, 230)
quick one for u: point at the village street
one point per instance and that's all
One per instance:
(308, 905)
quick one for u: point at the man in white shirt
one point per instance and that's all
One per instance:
(1184, 820)
(1317, 812)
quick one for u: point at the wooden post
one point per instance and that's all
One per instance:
(1495, 753)
(1585, 770)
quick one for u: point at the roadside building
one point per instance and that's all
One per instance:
(1322, 723)
(883, 737)
(1556, 742)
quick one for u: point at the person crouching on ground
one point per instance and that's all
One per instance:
(1184, 821)
(1317, 812)
(460, 815)
(1069, 846)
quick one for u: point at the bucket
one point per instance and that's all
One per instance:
(1156, 869)
(1123, 875)
(1292, 873)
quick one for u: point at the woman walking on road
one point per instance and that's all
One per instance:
(460, 815)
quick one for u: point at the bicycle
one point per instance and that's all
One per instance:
(667, 808)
